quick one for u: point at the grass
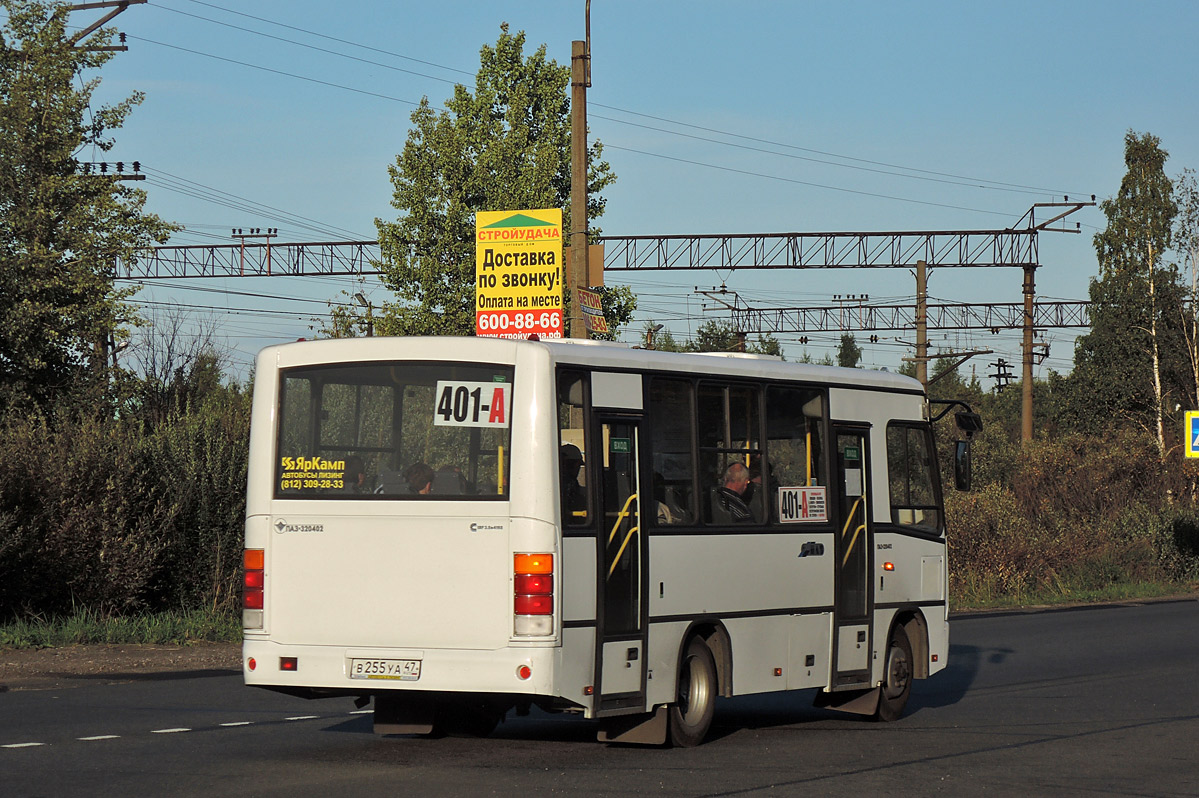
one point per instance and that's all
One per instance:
(89, 627)
(187, 628)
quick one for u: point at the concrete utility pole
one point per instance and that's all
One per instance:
(1027, 354)
(922, 322)
(580, 79)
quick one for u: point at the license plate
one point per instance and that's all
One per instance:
(403, 669)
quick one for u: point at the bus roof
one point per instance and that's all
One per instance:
(595, 354)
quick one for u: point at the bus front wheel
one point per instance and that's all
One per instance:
(897, 678)
(691, 714)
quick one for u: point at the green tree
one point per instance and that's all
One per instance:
(849, 354)
(719, 336)
(504, 146)
(1131, 359)
(1186, 242)
(61, 229)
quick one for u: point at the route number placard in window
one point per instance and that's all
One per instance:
(802, 505)
(472, 404)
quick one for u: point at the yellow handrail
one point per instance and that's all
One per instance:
(848, 520)
(620, 551)
(623, 514)
(499, 471)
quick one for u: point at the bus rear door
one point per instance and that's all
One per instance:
(620, 664)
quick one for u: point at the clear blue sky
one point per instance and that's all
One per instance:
(879, 116)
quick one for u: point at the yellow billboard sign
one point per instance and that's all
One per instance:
(518, 273)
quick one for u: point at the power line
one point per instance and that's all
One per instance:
(922, 173)
(276, 71)
(932, 174)
(330, 38)
(237, 202)
(309, 46)
(782, 179)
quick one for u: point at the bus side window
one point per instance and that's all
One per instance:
(572, 448)
(794, 446)
(729, 427)
(911, 475)
(670, 412)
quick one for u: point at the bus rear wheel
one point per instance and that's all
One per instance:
(897, 677)
(691, 714)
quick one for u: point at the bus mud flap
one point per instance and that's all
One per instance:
(635, 729)
(404, 714)
(859, 702)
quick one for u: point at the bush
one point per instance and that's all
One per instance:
(117, 516)
(1070, 516)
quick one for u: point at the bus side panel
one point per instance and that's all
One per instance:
(665, 645)
(918, 580)
(761, 653)
(578, 579)
(810, 641)
(740, 572)
(919, 569)
(574, 667)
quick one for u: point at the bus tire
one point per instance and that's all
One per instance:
(691, 714)
(466, 719)
(897, 677)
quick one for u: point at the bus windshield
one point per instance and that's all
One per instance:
(394, 430)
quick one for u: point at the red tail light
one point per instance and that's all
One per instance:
(534, 605)
(534, 585)
(255, 579)
(533, 602)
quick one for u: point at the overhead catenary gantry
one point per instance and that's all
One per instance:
(919, 250)
(993, 316)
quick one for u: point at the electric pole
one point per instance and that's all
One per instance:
(580, 79)
(922, 323)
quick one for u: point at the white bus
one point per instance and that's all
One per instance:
(457, 528)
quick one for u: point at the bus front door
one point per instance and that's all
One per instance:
(620, 663)
(851, 633)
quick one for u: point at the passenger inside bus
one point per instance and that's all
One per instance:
(354, 478)
(420, 478)
(574, 497)
(728, 503)
(449, 481)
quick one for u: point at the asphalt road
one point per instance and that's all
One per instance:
(1084, 702)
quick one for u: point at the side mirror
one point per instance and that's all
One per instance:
(969, 422)
(961, 466)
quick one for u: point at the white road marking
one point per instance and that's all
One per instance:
(177, 730)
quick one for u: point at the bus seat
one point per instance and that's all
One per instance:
(448, 483)
(719, 513)
(391, 482)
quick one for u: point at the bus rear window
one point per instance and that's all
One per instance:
(394, 430)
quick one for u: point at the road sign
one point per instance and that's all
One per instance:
(593, 310)
(1191, 433)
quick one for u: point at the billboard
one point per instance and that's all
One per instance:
(518, 273)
